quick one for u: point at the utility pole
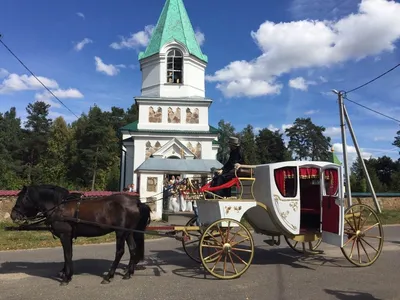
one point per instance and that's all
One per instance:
(353, 136)
(344, 146)
(345, 116)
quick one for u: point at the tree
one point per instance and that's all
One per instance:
(95, 142)
(307, 141)
(225, 131)
(36, 138)
(10, 145)
(55, 162)
(248, 144)
(359, 179)
(271, 147)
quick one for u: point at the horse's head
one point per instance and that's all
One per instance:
(26, 205)
(33, 200)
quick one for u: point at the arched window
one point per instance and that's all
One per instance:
(174, 66)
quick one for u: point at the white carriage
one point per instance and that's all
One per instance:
(303, 201)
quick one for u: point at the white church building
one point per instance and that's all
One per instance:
(172, 135)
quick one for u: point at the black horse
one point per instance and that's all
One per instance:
(64, 210)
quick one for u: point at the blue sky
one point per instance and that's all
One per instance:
(278, 59)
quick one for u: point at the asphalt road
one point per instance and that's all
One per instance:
(276, 273)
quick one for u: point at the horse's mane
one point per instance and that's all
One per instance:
(47, 192)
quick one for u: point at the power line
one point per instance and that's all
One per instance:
(13, 54)
(383, 74)
(370, 109)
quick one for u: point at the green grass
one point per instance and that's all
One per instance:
(13, 240)
(390, 217)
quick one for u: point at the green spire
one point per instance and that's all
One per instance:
(173, 24)
(334, 159)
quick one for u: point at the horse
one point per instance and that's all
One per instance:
(68, 216)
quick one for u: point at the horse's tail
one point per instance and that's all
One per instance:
(145, 216)
(144, 221)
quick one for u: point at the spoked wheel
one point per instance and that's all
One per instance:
(226, 249)
(300, 246)
(191, 241)
(363, 235)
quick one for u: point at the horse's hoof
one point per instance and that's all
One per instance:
(64, 283)
(126, 276)
(105, 281)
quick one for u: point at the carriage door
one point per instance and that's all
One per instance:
(332, 205)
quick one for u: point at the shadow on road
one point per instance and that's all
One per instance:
(346, 295)
(50, 269)
(185, 267)
(262, 256)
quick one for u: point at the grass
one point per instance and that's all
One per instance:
(13, 240)
(390, 217)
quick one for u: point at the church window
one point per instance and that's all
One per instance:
(175, 66)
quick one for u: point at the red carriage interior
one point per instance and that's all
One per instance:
(310, 196)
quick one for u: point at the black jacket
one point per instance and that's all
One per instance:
(235, 157)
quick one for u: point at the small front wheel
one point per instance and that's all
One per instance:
(191, 240)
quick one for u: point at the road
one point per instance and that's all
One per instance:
(168, 274)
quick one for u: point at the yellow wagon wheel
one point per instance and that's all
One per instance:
(232, 249)
(191, 242)
(363, 235)
(300, 246)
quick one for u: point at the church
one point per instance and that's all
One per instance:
(172, 136)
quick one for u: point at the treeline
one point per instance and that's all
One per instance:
(308, 141)
(85, 155)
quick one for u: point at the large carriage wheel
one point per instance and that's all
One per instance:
(232, 249)
(363, 235)
(300, 246)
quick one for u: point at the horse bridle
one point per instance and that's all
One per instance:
(41, 213)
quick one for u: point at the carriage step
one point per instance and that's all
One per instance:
(273, 242)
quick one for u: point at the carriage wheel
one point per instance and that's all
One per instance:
(232, 249)
(363, 235)
(191, 245)
(300, 246)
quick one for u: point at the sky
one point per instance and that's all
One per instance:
(279, 60)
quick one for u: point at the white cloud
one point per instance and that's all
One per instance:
(79, 14)
(289, 46)
(136, 40)
(59, 93)
(200, 37)
(272, 127)
(311, 112)
(14, 83)
(300, 83)
(249, 88)
(110, 70)
(79, 46)
(332, 131)
(3, 73)
(351, 153)
(286, 126)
